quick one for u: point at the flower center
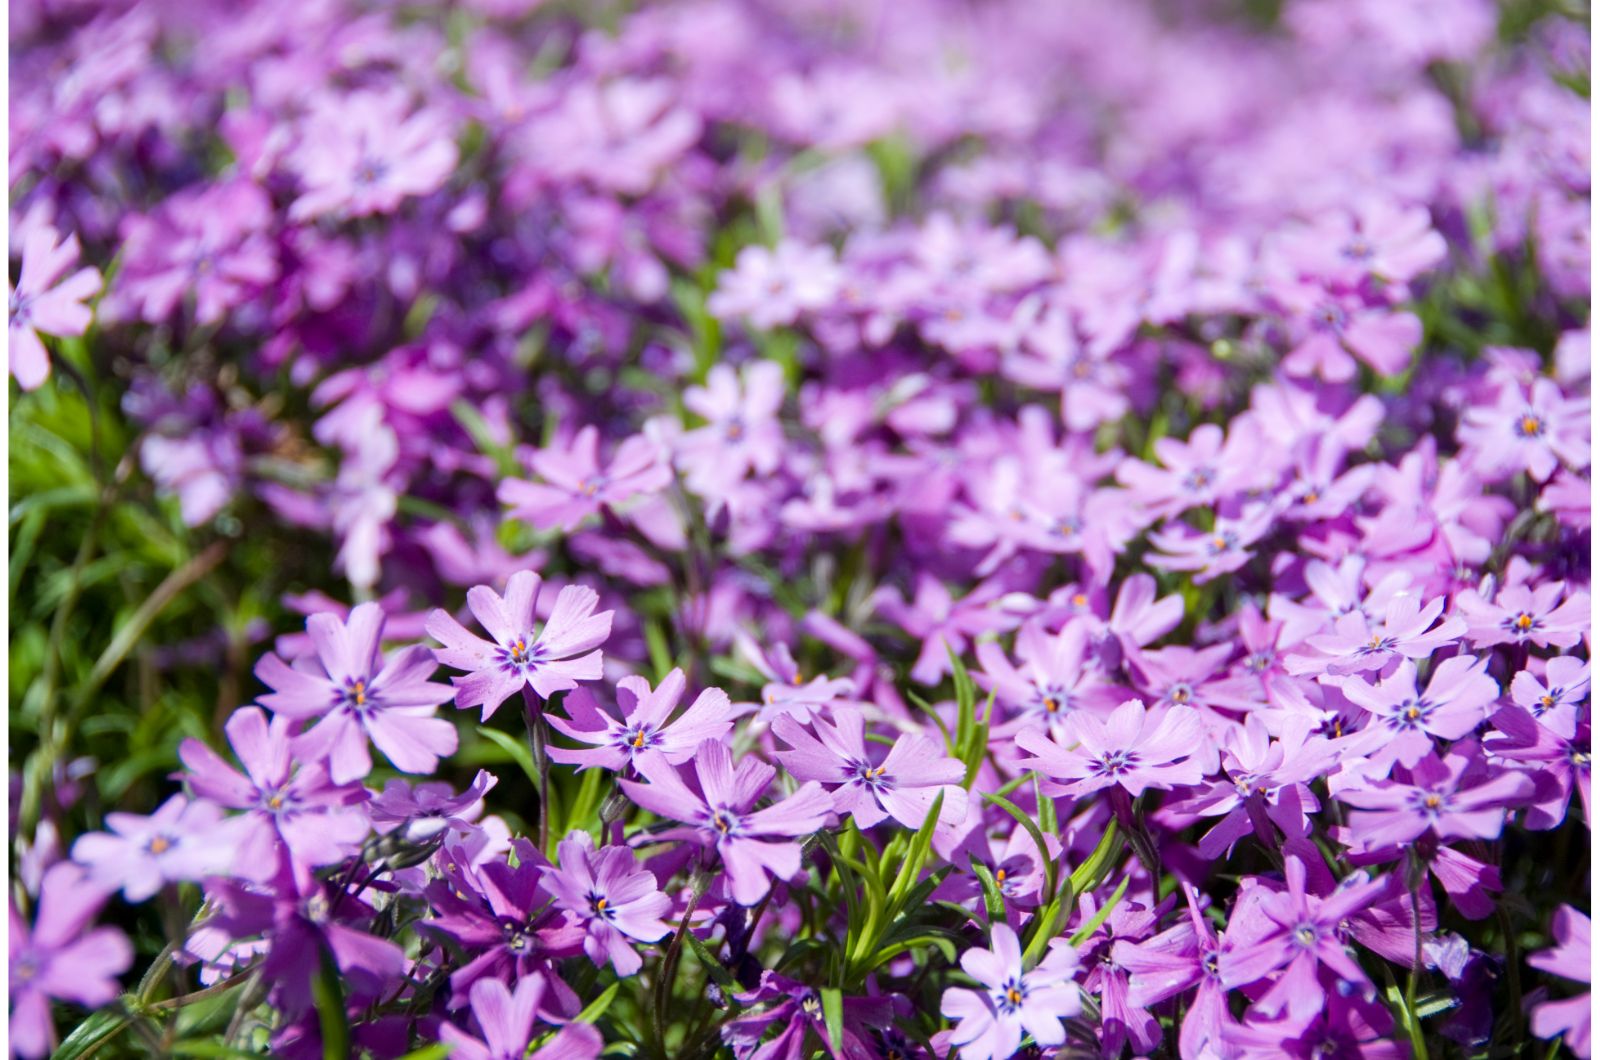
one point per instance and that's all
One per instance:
(1530, 425)
(1009, 997)
(1199, 479)
(600, 907)
(1116, 763)
(158, 844)
(1306, 935)
(725, 821)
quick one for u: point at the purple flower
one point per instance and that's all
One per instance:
(575, 487)
(751, 843)
(942, 622)
(1441, 797)
(506, 1021)
(1054, 676)
(1521, 614)
(1302, 932)
(366, 153)
(902, 784)
(1215, 552)
(318, 822)
(644, 727)
(614, 900)
(1133, 749)
(1534, 430)
(1355, 645)
(355, 694)
(1456, 701)
(1560, 763)
(1010, 1001)
(1163, 966)
(742, 432)
(182, 840)
(423, 812)
(61, 958)
(212, 244)
(43, 302)
(787, 693)
(502, 916)
(1555, 699)
(796, 1009)
(1571, 958)
(774, 287)
(1196, 473)
(554, 660)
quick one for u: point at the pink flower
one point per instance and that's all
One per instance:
(367, 152)
(1133, 749)
(771, 288)
(43, 303)
(902, 784)
(1523, 614)
(1009, 1001)
(614, 899)
(60, 957)
(644, 728)
(1457, 700)
(182, 840)
(575, 487)
(554, 660)
(751, 843)
(1407, 631)
(1536, 431)
(1571, 958)
(356, 694)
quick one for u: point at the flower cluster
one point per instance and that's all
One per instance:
(1034, 525)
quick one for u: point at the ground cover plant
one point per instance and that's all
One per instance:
(787, 529)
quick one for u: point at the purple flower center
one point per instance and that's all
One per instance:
(638, 737)
(516, 935)
(1260, 661)
(600, 907)
(1520, 624)
(370, 171)
(1548, 700)
(1529, 425)
(1053, 699)
(1199, 479)
(21, 309)
(870, 775)
(1011, 995)
(1378, 644)
(1411, 714)
(1357, 249)
(357, 695)
(1116, 763)
(159, 844)
(1328, 317)
(1182, 692)
(1306, 934)
(523, 654)
(724, 821)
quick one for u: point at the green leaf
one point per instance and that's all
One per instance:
(217, 1049)
(517, 749)
(332, 1019)
(93, 1033)
(1089, 875)
(428, 1052)
(833, 1017)
(709, 962)
(1100, 915)
(917, 853)
(1051, 869)
(598, 1006)
(482, 435)
(994, 903)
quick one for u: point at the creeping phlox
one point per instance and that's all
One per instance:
(904, 530)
